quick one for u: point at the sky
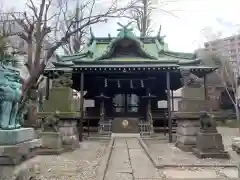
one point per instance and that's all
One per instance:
(183, 30)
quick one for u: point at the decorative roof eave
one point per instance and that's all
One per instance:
(123, 69)
(73, 56)
(63, 64)
(180, 55)
(126, 61)
(199, 70)
(190, 62)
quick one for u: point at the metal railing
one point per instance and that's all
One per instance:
(145, 128)
(105, 127)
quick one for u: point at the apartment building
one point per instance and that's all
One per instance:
(228, 47)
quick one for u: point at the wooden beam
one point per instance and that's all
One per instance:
(169, 107)
(80, 122)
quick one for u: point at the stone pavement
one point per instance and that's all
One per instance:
(129, 161)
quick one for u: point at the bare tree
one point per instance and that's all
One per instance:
(76, 42)
(37, 29)
(227, 72)
(7, 28)
(142, 14)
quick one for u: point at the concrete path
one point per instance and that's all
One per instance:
(128, 161)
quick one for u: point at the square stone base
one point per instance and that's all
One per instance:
(46, 151)
(236, 147)
(16, 136)
(185, 147)
(51, 140)
(210, 145)
(219, 155)
(236, 144)
(15, 154)
(51, 143)
(186, 133)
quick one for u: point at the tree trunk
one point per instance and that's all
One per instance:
(31, 120)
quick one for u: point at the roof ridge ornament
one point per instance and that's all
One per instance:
(125, 31)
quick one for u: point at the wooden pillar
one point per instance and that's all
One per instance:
(172, 100)
(80, 123)
(47, 88)
(205, 87)
(169, 107)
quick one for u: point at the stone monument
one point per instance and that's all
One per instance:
(209, 142)
(50, 135)
(16, 143)
(193, 101)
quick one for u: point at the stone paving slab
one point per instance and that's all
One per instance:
(185, 173)
(119, 166)
(141, 164)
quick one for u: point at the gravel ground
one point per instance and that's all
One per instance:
(78, 165)
(168, 154)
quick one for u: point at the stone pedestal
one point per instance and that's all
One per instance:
(16, 146)
(209, 145)
(125, 125)
(67, 129)
(188, 126)
(236, 145)
(63, 104)
(188, 123)
(51, 143)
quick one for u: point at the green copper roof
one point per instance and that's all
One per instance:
(148, 50)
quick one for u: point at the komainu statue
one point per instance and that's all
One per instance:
(63, 81)
(191, 80)
(10, 96)
(207, 122)
(51, 123)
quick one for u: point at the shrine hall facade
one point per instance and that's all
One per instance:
(127, 75)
